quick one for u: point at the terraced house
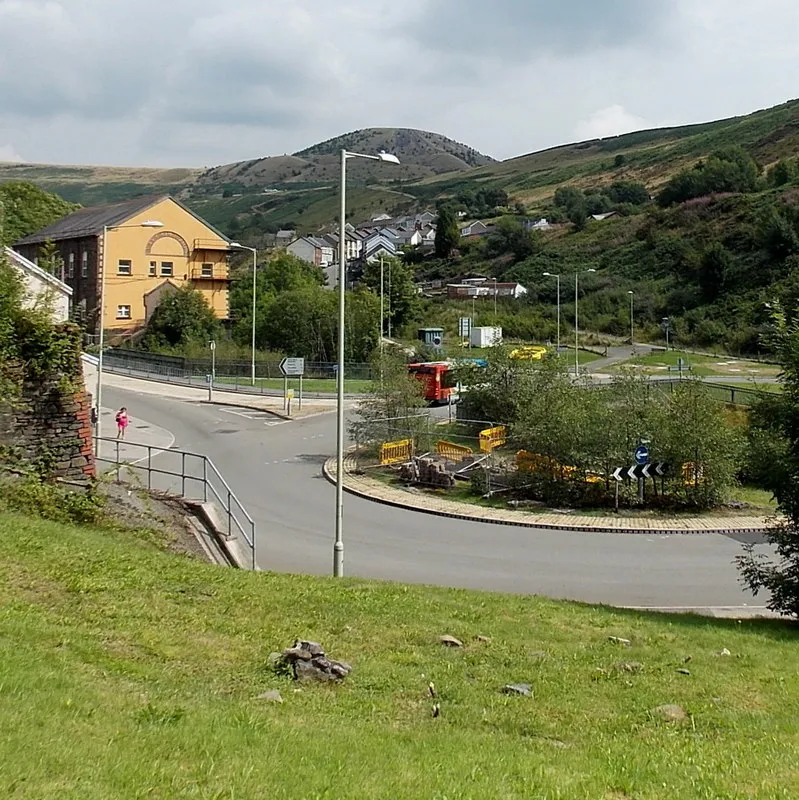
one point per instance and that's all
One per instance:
(136, 252)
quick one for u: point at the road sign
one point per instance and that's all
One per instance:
(639, 471)
(464, 327)
(641, 454)
(293, 367)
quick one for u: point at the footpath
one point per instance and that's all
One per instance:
(195, 394)
(413, 499)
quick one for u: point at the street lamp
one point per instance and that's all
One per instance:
(666, 325)
(576, 326)
(98, 394)
(632, 328)
(254, 270)
(557, 278)
(338, 545)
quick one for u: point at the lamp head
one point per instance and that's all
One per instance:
(388, 157)
(152, 223)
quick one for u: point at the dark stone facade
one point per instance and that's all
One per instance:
(48, 425)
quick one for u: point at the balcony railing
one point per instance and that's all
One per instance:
(217, 272)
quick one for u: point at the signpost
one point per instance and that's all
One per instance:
(639, 471)
(465, 329)
(212, 346)
(291, 368)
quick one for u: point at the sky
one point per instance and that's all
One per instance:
(202, 82)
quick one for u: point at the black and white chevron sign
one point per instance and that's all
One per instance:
(637, 471)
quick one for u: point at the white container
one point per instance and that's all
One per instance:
(486, 337)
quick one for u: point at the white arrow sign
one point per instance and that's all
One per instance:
(618, 473)
(632, 472)
(293, 367)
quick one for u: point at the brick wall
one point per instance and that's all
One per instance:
(48, 425)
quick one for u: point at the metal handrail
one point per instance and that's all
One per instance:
(238, 517)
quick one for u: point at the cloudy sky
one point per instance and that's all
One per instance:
(204, 82)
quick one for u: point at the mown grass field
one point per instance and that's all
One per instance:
(126, 672)
(662, 362)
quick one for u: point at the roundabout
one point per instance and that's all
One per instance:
(277, 471)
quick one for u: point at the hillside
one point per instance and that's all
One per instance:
(650, 156)
(421, 153)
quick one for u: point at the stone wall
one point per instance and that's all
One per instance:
(48, 424)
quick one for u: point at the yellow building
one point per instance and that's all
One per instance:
(136, 252)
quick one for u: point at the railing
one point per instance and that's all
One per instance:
(218, 272)
(233, 376)
(724, 392)
(198, 477)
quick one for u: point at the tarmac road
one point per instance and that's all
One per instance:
(275, 468)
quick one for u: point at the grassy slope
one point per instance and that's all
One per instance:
(128, 673)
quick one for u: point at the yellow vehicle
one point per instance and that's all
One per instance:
(529, 353)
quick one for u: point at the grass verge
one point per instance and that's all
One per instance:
(661, 362)
(126, 672)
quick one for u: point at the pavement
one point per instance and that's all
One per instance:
(266, 403)
(360, 483)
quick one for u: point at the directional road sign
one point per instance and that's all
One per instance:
(293, 367)
(637, 471)
(641, 454)
(464, 326)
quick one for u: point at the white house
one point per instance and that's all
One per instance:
(376, 245)
(313, 250)
(353, 244)
(41, 286)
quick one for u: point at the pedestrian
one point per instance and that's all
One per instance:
(122, 422)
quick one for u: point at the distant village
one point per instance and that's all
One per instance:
(387, 236)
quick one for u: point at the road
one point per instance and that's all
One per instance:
(275, 468)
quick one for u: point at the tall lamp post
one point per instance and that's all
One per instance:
(98, 394)
(632, 324)
(557, 278)
(666, 326)
(254, 273)
(338, 545)
(576, 325)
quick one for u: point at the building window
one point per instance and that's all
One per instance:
(166, 269)
(125, 267)
(71, 265)
(153, 266)
(207, 271)
(123, 312)
(84, 264)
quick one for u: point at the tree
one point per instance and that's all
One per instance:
(50, 260)
(782, 173)
(448, 234)
(181, 317)
(510, 236)
(779, 577)
(392, 409)
(25, 209)
(401, 300)
(714, 269)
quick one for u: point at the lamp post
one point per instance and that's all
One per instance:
(632, 324)
(98, 394)
(382, 314)
(666, 325)
(576, 325)
(557, 278)
(338, 545)
(254, 271)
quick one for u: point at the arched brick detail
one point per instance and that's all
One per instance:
(167, 235)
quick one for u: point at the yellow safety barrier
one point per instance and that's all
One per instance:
(452, 451)
(396, 452)
(692, 473)
(492, 438)
(534, 462)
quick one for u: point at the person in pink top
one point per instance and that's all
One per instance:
(122, 422)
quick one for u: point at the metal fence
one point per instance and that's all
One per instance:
(724, 392)
(232, 376)
(188, 475)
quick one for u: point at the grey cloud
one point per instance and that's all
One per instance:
(526, 29)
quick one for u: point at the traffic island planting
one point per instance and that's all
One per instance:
(126, 672)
